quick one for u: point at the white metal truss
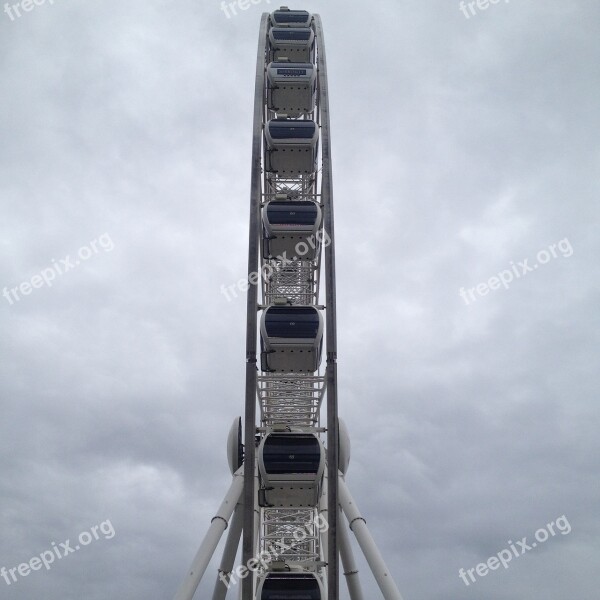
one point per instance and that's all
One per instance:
(293, 400)
(291, 535)
(291, 281)
(301, 186)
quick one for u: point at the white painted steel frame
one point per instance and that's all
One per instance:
(211, 539)
(358, 526)
(290, 402)
(280, 396)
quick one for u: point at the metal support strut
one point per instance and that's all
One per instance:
(359, 527)
(229, 553)
(211, 539)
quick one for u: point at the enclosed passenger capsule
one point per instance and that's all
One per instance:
(291, 468)
(292, 88)
(294, 43)
(284, 17)
(290, 229)
(291, 339)
(291, 146)
(290, 586)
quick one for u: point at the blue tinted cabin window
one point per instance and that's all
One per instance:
(280, 130)
(282, 35)
(291, 587)
(285, 322)
(291, 454)
(290, 69)
(291, 213)
(290, 17)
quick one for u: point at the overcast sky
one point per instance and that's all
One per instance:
(465, 149)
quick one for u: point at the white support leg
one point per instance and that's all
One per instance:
(359, 526)
(211, 539)
(350, 568)
(231, 547)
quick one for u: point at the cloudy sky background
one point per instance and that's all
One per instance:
(459, 144)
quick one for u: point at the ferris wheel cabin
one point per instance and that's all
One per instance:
(291, 146)
(292, 88)
(291, 467)
(297, 44)
(290, 586)
(291, 339)
(284, 17)
(290, 229)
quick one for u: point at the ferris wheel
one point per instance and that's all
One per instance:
(288, 491)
